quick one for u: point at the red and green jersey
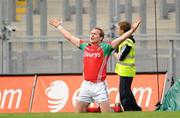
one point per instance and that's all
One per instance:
(95, 60)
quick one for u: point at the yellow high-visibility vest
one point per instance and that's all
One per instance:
(127, 66)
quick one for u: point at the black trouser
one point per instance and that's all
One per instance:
(126, 96)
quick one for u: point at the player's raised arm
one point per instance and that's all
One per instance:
(58, 24)
(118, 40)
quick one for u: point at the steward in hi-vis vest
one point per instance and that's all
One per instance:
(125, 65)
(126, 69)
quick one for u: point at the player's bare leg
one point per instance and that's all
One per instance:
(105, 106)
(81, 106)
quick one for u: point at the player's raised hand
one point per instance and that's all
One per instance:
(55, 22)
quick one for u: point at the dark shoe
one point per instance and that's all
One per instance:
(133, 109)
(138, 109)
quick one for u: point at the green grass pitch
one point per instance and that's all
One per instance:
(156, 114)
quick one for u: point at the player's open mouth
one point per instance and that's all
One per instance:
(91, 39)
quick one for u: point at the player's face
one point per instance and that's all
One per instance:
(95, 36)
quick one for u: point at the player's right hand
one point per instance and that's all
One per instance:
(55, 22)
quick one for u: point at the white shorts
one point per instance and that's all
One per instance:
(90, 92)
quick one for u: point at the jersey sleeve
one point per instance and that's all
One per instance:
(82, 45)
(110, 46)
(107, 47)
